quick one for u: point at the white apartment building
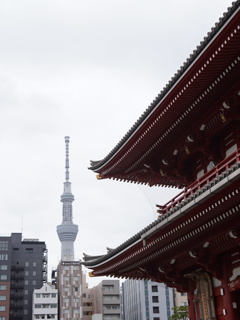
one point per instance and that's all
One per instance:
(146, 300)
(45, 303)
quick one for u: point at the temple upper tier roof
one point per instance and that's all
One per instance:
(195, 109)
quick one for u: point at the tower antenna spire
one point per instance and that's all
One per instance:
(67, 158)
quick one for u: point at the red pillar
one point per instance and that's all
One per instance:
(228, 297)
(191, 297)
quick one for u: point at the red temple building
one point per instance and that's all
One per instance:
(188, 138)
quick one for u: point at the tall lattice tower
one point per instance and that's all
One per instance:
(67, 231)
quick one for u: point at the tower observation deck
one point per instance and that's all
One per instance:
(67, 231)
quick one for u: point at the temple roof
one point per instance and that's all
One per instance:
(196, 97)
(185, 99)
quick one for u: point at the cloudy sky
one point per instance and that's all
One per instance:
(86, 69)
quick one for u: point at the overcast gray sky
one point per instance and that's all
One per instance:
(87, 69)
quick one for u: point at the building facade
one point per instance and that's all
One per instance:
(146, 300)
(23, 267)
(107, 300)
(45, 303)
(69, 284)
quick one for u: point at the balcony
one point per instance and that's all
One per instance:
(15, 316)
(44, 278)
(17, 286)
(16, 305)
(17, 268)
(16, 296)
(17, 276)
(214, 180)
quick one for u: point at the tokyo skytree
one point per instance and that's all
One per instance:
(67, 231)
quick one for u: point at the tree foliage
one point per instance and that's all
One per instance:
(180, 313)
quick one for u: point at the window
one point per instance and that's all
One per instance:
(75, 267)
(65, 311)
(3, 287)
(38, 295)
(3, 267)
(25, 311)
(76, 289)
(34, 273)
(29, 250)
(53, 305)
(3, 277)
(25, 291)
(154, 289)
(26, 264)
(183, 294)
(108, 287)
(3, 297)
(2, 308)
(26, 273)
(155, 299)
(2, 318)
(3, 245)
(156, 318)
(3, 256)
(53, 295)
(26, 282)
(34, 282)
(25, 301)
(155, 309)
(37, 306)
(34, 263)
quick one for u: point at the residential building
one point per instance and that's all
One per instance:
(87, 301)
(23, 267)
(45, 303)
(69, 284)
(146, 300)
(106, 299)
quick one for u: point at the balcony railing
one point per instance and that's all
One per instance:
(17, 286)
(213, 176)
(17, 268)
(17, 276)
(16, 296)
(16, 316)
(15, 305)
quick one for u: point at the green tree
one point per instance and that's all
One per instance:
(180, 313)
